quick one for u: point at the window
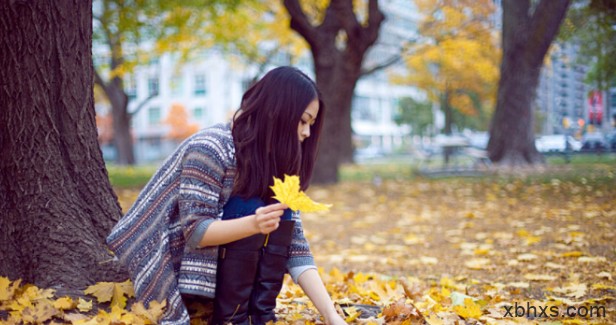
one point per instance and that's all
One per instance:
(176, 86)
(154, 115)
(198, 114)
(361, 109)
(153, 86)
(200, 85)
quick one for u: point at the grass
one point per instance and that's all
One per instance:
(130, 176)
(581, 168)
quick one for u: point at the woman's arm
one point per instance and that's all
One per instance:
(264, 221)
(311, 283)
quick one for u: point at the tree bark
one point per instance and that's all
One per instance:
(56, 200)
(337, 71)
(527, 35)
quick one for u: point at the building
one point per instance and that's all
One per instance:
(375, 103)
(210, 89)
(562, 94)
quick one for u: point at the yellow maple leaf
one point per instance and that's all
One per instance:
(102, 318)
(469, 310)
(5, 294)
(84, 305)
(353, 314)
(39, 313)
(151, 314)
(64, 303)
(288, 192)
(116, 292)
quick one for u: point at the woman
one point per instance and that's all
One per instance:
(169, 240)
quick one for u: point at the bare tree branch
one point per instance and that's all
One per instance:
(99, 80)
(142, 104)
(385, 64)
(300, 22)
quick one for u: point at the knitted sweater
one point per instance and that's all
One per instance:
(157, 240)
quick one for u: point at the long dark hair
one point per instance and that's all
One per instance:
(266, 136)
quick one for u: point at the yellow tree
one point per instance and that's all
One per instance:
(255, 33)
(456, 60)
(179, 124)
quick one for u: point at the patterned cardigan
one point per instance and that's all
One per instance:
(157, 240)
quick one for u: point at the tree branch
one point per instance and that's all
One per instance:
(344, 12)
(99, 80)
(375, 19)
(269, 55)
(545, 23)
(142, 104)
(387, 63)
(299, 21)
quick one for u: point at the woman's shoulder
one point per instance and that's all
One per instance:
(220, 130)
(216, 139)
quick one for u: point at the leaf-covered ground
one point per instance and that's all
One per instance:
(541, 240)
(525, 249)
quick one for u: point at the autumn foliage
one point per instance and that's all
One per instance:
(456, 60)
(420, 251)
(179, 124)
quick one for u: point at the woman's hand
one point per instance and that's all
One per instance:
(267, 217)
(334, 319)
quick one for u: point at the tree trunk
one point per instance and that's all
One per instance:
(120, 117)
(56, 200)
(337, 69)
(122, 137)
(337, 86)
(527, 35)
(512, 138)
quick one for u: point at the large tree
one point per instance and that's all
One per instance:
(56, 200)
(529, 27)
(338, 42)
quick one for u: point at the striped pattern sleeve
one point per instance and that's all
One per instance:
(299, 252)
(201, 183)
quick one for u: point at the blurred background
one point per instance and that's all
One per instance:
(426, 87)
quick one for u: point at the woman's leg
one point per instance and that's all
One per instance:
(237, 267)
(270, 273)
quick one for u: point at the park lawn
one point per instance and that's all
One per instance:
(544, 238)
(408, 249)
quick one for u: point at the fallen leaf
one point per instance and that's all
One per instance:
(84, 305)
(539, 277)
(469, 310)
(116, 292)
(64, 303)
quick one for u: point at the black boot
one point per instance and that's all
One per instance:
(270, 274)
(235, 277)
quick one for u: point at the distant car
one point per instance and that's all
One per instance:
(367, 153)
(594, 141)
(557, 143)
